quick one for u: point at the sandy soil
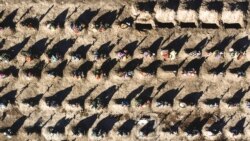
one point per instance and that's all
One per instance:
(210, 85)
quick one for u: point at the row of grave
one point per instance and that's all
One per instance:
(111, 69)
(155, 50)
(138, 98)
(145, 126)
(131, 70)
(144, 15)
(190, 14)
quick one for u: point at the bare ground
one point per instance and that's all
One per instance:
(216, 84)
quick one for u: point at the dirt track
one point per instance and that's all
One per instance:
(146, 86)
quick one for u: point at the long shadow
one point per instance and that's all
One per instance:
(146, 6)
(60, 48)
(8, 98)
(154, 47)
(107, 66)
(235, 100)
(130, 47)
(218, 126)
(164, 25)
(127, 101)
(145, 96)
(152, 67)
(232, 26)
(58, 70)
(240, 71)
(192, 98)
(36, 70)
(1, 13)
(104, 50)
(81, 99)
(167, 98)
(83, 69)
(37, 49)
(215, 5)
(198, 47)
(9, 20)
(81, 51)
(170, 4)
(59, 21)
(35, 21)
(43, 15)
(188, 25)
(12, 70)
(160, 87)
(177, 43)
(243, 6)
(196, 125)
(86, 17)
(106, 20)
(238, 128)
(195, 64)
(37, 127)
(105, 125)
(59, 127)
(131, 66)
(220, 46)
(31, 22)
(120, 11)
(83, 126)
(22, 90)
(174, 129)
(33, 101)
(129, 21)
(102, 100)
(57, 99)
(241, 44)
(73, 12)
(134, 93)
(126, 127)
(14, 128)
(25, 13)
(12, 52)
(148, 128)
(173, 67)
(4, 86)
(209, 26)
(221, 68)
(213, 101)
(2, 43)
(193, 5)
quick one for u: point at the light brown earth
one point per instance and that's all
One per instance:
(216, 84)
